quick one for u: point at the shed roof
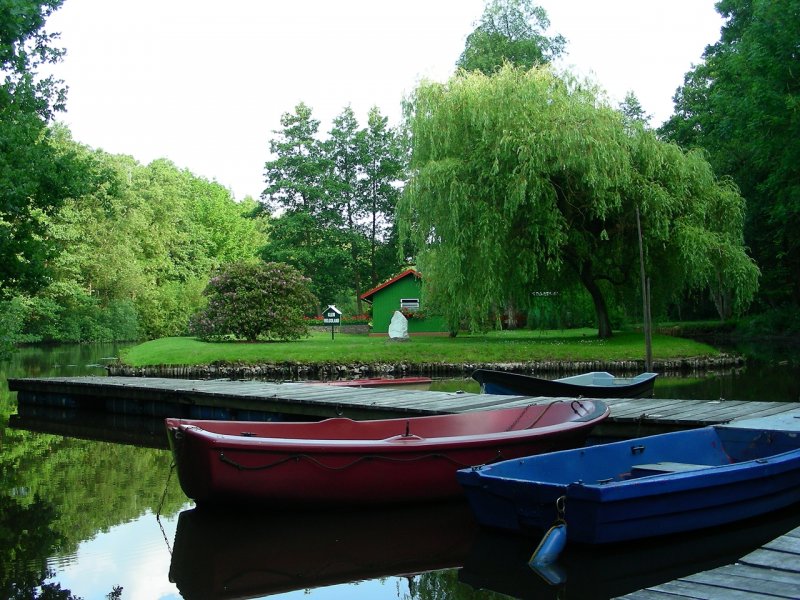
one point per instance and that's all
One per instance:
(369, 294)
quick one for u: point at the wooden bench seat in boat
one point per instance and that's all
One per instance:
(660, 468)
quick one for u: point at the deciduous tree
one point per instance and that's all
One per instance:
(346, 152)
(295, 177)
(741, 104)
(333, 200)
(510, 31)
(136, 252)
(384, 172)
(36, 176)
(524, 180)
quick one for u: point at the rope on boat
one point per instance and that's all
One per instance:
(581, 406)
(519, 416)
(576, 406)
(538, 418)
(311, 459)
(544, 412)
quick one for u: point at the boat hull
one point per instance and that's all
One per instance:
(339, 461)
(640, 488)
(406, 383)
(597, 385)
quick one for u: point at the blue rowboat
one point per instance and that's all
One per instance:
(597, 384)
(641, 488)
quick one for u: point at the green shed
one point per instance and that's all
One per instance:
(402, 292)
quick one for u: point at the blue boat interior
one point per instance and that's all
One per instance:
(655, 455)
(604, 379)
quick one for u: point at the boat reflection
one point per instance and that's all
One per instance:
(498, 561)
(230, 553)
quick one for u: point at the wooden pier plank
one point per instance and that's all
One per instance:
(736, 581)
(627, 409)
(772, 571)
(787, 544)
(698, 411)
(763, 411)
(682, 411)
(700, 591)
(785, 561)
(714, 409)
(761, 573)
(794, 533)
(649, 594)
(481, 402)
(323, 401)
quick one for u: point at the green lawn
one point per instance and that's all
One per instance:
(494, 347)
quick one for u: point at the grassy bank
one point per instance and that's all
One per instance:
(494, 347)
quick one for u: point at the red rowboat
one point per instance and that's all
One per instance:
(415, 382)
(340, 461)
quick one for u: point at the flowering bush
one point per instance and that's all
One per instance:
(252, 301)
(412, 314)
(356, 320)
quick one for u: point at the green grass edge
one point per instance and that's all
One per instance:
(575, 345)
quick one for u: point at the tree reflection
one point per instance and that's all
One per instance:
(27, 538)
(444, 585)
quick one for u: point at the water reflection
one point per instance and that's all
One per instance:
(757, 381)
(79, 512)
(499, 561)
(137, 430)
(27, 535)
(233, 554)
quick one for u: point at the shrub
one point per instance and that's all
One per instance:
(356, 320)
(255, 300)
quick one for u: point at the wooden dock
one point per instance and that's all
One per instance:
(772, 571)
(223, 399)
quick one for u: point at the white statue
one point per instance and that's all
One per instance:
(398, 328)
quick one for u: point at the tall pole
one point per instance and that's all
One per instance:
(648, 345)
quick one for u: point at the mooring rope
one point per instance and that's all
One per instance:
(161, 505)
(166, 486)
(311, 459)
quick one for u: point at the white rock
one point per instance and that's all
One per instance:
(398, 328)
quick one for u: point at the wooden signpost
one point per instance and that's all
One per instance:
(332, 316)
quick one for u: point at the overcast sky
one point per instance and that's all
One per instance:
(204, 83)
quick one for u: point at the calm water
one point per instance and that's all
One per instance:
(81, 515)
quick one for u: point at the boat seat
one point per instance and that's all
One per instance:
(664, 467)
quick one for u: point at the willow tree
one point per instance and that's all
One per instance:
(524, 181)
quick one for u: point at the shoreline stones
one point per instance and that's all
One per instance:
(325, 371)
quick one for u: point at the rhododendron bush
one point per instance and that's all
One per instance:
(254, 301)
